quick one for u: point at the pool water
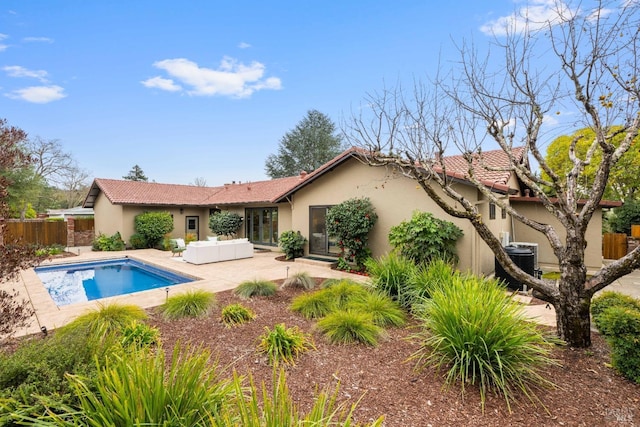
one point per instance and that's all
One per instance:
(81, 282)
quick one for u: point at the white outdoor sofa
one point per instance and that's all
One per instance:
(204, 252)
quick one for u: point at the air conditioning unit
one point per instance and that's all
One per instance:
(504, 238)
(532, 246)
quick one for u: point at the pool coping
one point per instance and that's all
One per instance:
(214, 277)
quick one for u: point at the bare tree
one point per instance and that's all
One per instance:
(50, 161)
(583, 61)
(199, 182)
(74, 184)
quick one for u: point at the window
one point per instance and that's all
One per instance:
(492, 210)
(504, 213)
(261, 225)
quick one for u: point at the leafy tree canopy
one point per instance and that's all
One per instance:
(309, 145)
(136, 174)
(622, 185)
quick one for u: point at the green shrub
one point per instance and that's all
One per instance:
(348, 327)
(253, 288)
(142, 389)
(479, 335)
(236, 314)
(105, 320)
(137, 241)
(292, 244)
(153, 226)
(350, 222)
(299, 280)
(313, 305)
(607, 300)
(139, 335)
(106, 243)
(194, 303)
(282, 344)
(384, 311)
(425, 238)
(51, 250)
(623, 334)
(38, 368)
(390, 274)
(225, 223)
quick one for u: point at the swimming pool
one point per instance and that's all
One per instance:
(87, 281)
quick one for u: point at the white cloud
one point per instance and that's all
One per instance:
(38, 94)
(535, 15)
(18, 71)
(2, 45)
(231, 78)
(243, 45)
(160, 83)
(37, 40)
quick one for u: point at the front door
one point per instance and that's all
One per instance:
(192, 226)
(319, 241)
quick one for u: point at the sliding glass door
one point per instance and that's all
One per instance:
(261, 225)
(319, 241)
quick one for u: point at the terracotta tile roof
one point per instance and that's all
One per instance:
(123, 192)
(484, 165)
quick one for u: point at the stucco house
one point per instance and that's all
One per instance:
(301, 203)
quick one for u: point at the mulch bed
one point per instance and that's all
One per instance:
(588, 391)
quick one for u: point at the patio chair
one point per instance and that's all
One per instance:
(177, 247)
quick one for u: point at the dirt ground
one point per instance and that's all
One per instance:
(588, 392)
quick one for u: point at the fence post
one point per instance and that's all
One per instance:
(71, 232)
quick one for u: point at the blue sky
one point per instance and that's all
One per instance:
(208, 88)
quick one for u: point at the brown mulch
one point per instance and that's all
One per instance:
(588, 392)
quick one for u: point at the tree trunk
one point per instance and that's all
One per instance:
(573, 320)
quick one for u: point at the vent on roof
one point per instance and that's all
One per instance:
(303, 174)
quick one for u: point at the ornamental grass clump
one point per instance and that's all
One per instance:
(390, 274)
(350, 327)
(478, 334)
(384, 311)
(282, 344)
(143, 389)
(255, 288)
(313, 305)
(345, 292)
(236, 314)
(274, 407)
(423, 279)
(300, 280)
(194, 303)
(107, 319)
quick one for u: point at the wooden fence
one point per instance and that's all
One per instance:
(39, 232)
(614, 245)
(44, 232)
